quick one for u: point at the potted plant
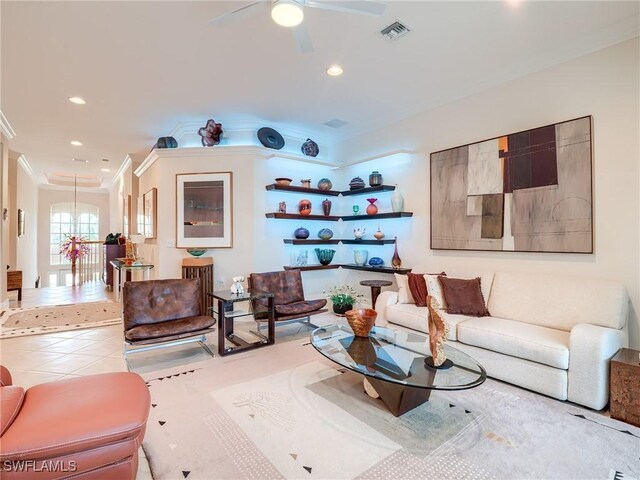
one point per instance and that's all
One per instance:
(343, 297)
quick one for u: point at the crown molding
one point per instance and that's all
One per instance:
(5, 127)
(24, 163)
(223, 150)
(126, 163)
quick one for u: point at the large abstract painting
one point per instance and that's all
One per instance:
(527, 192)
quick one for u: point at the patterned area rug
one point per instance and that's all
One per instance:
(17, 322)
(285, 412)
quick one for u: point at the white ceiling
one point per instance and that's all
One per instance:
(144, 67)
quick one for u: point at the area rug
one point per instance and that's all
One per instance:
(284, 411)
(17, 322)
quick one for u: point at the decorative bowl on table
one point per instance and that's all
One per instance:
(283, 182)
(196, 252)
(361, 321)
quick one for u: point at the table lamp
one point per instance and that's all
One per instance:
(137, 240)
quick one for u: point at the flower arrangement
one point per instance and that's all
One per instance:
(73, 251)
(343, 295)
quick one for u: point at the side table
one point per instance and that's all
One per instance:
(376, 286)
(624, 399)
(226, 319)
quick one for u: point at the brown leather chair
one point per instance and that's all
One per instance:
(90, 427)
(162, 313)
(289, 300)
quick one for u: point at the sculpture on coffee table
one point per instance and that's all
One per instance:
(438, 331)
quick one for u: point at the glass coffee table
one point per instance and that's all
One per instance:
(393, 363)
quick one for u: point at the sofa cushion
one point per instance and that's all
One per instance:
(172, 327)
(558, 301)
(300, 308)
(463, 296)
(415, 318)
(523, 340)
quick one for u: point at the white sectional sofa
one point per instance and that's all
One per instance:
(548, 333)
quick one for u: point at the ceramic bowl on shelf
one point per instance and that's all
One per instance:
(283, 181)
(196, 252)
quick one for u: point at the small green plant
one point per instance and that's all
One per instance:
(343, 295)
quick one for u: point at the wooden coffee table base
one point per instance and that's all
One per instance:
(399, 399)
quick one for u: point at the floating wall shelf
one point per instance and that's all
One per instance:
(351, 266)
(331, 193)
(311, 191)
(296, 216)
(310, 241)
(377, 216)
(313, 267)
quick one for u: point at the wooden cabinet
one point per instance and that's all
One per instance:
(202, 268)
(111, 252)
(14, 282)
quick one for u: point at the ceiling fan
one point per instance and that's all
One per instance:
(290, 13)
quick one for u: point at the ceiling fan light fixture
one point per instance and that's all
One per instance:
(287, 13)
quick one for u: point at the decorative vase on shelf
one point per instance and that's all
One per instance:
(325, 234)
(379, 235)
(372, 209)
(375, 179)
(325, 255)
(360, 257)
(358, 233)
(301, 233)
(397, 201)
(396, 262)
(310, 148)
(304, 207)
(306, 183)
(326, 207)
(324, 184)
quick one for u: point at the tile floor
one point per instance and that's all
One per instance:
(43, 358)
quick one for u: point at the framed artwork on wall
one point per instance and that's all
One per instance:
(529, 191)
(204, 213)
(149, 213)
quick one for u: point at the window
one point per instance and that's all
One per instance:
(62, 222)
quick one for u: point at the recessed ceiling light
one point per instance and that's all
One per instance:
(77, 100)
(105, 170)
(514, 3)
(287, 13)
(79, 160)
(76, 143)
(334, 70)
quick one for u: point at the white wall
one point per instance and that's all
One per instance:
(605, 85)
(257, 241)
(48, 196)
(4, 225)
(26, 246)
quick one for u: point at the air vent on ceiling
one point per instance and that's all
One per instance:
(335, 123)
(394, 31)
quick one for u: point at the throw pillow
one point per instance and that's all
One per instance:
(435, 290)
(404, 294)
(463, 296)
(418, 288)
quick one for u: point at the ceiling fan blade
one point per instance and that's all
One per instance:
(365, 7)
(233, 14)
(302, 39)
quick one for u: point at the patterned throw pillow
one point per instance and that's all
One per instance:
(435, 290)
